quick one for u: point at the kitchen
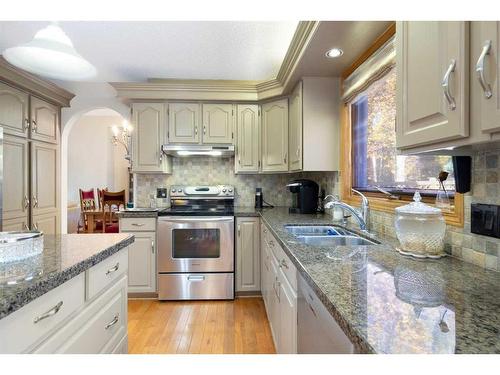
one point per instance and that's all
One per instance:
(347, 205)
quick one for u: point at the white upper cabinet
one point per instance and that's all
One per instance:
(44, 121)
(247, 157)
(147, 137)
(44, 178)
(14, 113)
(432, 82)
(485, 76)
(218, 123)
(184, 123)
(295, 130)
(275, 136)
(16, 200)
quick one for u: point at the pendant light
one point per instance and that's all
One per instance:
(51, 54)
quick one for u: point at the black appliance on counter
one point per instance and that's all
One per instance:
(304, 196)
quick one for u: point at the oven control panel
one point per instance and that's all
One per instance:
(177, 191)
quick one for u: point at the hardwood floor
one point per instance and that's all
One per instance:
(219, 327)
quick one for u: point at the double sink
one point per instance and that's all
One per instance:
(327, 235)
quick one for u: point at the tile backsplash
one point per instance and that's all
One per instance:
(219, 171)
(460, 242)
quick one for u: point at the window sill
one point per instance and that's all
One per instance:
(454, 218)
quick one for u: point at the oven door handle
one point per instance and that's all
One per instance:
(197, 219)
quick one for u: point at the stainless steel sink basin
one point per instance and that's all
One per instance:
(339, 240)
(316, 230)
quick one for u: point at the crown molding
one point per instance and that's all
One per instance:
(231, 90)
(34, 84)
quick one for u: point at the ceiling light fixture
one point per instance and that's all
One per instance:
(334, 52)
(51, 54)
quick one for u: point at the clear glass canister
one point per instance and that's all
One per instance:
(420, 229)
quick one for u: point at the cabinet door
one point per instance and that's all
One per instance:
(247, 254)
(288, 317)
(275, 136)
(485, 88)
(15, 225)
(248, 136)
(295, 133)
(44, 178)
(44, 121)
(15, 182)
(14, 116)
(47, 223)
(218, 123)
(148, 136)
(142, 263)
(429, 54)
(184, 123)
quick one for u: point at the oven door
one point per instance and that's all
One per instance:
(195, 244)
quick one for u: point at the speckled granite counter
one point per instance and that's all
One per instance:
(143, 212)
(388, 303)
(63, 257)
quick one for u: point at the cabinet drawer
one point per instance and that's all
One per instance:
(23, 328)
(195, 286)
(284, 262)
(140, 224)
(105, 273)
(98, 329)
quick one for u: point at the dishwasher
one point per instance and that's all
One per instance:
(317, 330)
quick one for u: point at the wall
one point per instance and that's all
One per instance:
(93, 161)
(215, 171)
(460, 242)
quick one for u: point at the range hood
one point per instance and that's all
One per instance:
(198, 150)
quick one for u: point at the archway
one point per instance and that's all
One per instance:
(79, 123)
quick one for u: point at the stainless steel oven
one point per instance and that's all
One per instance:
(196, 244)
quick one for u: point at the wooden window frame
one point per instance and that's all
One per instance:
(379, 201)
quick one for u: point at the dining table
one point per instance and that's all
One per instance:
(92, 217)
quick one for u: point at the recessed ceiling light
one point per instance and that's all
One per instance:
(334, 52)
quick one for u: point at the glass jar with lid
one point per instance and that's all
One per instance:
(420, 229)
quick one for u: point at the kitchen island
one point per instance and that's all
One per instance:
(53, 302)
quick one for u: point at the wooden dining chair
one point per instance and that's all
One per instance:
(99, 195)
(111, 202)
(87, 203)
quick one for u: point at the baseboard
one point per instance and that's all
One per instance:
(253, 293)
(143, 295)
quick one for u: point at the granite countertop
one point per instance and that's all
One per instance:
(138, 212)
(64, 257)
(388, 303)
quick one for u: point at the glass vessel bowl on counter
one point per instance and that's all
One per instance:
(420, 229)
(15, 246)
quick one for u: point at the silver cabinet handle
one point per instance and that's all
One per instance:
(239, 230)
(137, 224)
(26, 124)
(284, 159)
(113, 269)
(195, 130)
(113, 322)
(33, 126)
(196, 278)
(35, 226)
(204, 129)
(26, 226)
(35, 202)
(283, 263)
(312, 310)
(53, 311)
(26, 201)
(152, 246)
(480, 70)
(445, 84)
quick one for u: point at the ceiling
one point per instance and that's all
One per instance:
(353, 37)
(136, 51)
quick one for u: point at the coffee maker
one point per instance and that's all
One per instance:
(304, 196)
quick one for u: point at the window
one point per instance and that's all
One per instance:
(375, 162)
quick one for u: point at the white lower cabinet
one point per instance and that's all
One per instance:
(247, 254)
(75, 317)
(142, 254)
(279, 294)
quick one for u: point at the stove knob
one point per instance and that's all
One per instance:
(230, 190)
(180, 191)
(223, 190)
(173, 190)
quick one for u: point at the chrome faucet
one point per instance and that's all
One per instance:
(362, 216)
